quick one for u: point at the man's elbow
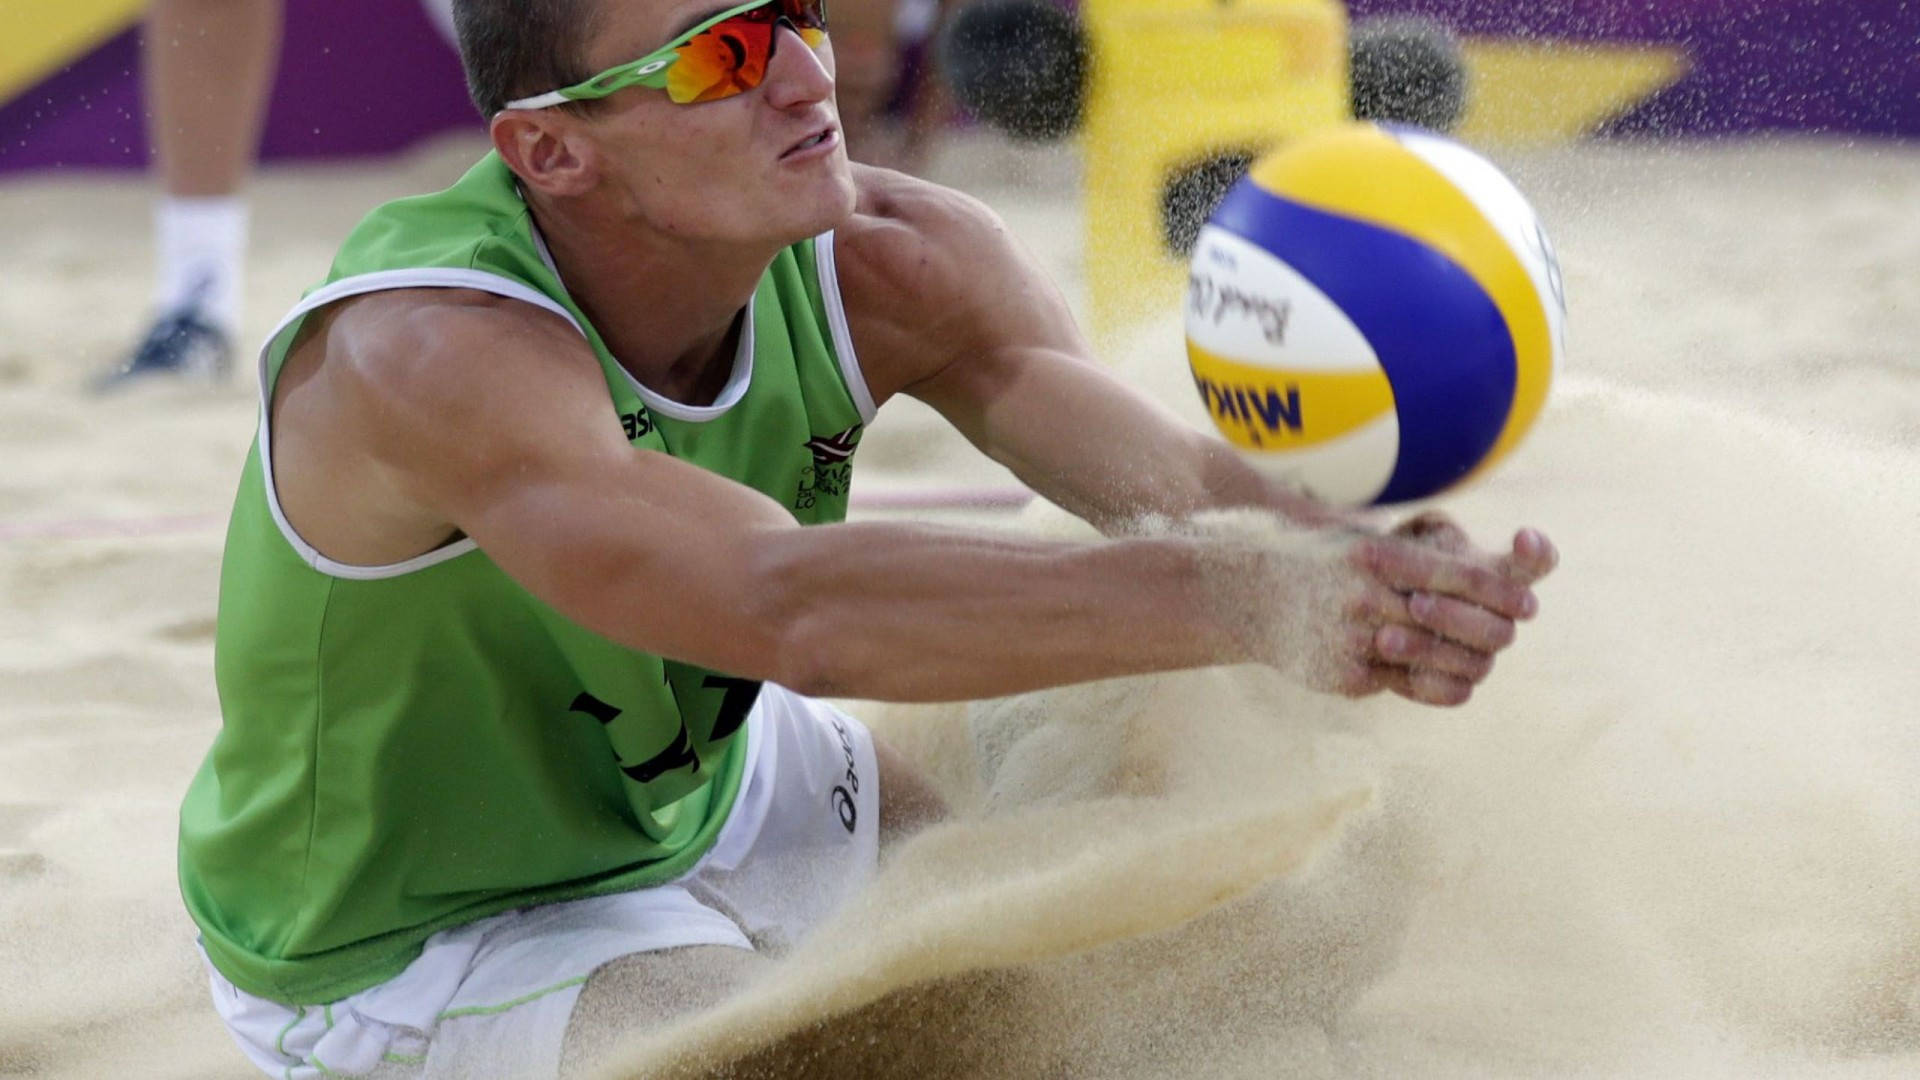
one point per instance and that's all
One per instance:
(812, 666)
(813, 642)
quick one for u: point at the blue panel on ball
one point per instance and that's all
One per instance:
(1440, 338)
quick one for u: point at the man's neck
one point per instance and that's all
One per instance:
(667, 308)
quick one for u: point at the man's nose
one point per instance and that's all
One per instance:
(796, 73)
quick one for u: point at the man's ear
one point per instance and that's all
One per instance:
(546, 150)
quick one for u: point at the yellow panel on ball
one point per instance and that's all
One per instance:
(1260, 408)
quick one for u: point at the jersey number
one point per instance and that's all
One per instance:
(738, 696)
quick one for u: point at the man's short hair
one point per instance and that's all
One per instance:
(517, 48)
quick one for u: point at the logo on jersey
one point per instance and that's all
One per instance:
(834, 449)
(637, 424)
(832, 470)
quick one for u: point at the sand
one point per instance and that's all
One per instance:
(1674, 836)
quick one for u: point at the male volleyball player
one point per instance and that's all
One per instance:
(537, 569)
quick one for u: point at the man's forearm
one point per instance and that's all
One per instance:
(1177, 474)
(1228, 482)
(908, 613)
(1103, 451)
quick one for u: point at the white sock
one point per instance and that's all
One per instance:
(202, 245)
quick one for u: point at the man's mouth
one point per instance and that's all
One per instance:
(824, 135)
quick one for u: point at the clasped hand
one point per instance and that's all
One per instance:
(1423, 613)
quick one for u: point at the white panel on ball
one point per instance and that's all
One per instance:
(1511, 215)
(1238, 292)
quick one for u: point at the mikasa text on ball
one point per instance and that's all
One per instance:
(1374, 314)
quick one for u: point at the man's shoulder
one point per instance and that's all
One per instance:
(911, 239)
(400, 344)
(479, 222)
(926, 272)
(886, 197)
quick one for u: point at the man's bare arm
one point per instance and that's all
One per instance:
(494, 417)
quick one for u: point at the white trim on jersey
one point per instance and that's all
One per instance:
(737, 383)
(360, 285)
(829, 274)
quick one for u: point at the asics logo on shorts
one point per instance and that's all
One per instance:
(843, 793)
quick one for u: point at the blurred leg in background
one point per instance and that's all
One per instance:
(209, 70)
(890, 105)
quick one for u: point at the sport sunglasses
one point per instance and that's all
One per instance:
(723, 56)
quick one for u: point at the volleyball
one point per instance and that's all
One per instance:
(1374, 314)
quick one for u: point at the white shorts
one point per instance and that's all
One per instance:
(802, 837)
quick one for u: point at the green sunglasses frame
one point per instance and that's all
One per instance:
(649, 71)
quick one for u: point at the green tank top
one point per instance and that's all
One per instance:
(412, 747)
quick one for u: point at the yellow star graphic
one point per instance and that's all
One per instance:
(42, 36)
(1539, 93)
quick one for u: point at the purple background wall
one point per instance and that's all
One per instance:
(1758, 65)
(372, 76)
(356, 77)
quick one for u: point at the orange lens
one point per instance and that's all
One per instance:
(729, 59)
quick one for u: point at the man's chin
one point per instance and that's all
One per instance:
(820, 202)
